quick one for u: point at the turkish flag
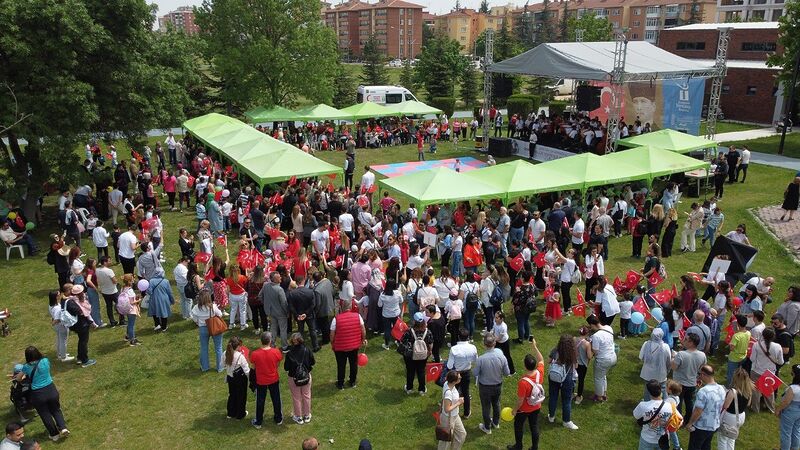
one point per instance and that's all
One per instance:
(681, 334)
(729, 330)
(149, 225)
(339, 261)
(331, 188)
(109, 156)
(640, 306)
(222, 240)
(695, 276)
(292, 180)
(432, 371)
(768, 383)
(662, 297)
(276, 199)
(332, 176)
(399, 329)
(579, 296)
(655, 278)
(201, 257)
(618, 285)
(372, 188)
(363, 201)
(548, 292)
(750, 347)
(579, 310)
(674, 291)
(632, 279)
(517, 263)
(686, 322)
(363, 189)
(539, 260)
(228, 170)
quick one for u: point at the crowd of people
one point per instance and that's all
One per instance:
(307, 266)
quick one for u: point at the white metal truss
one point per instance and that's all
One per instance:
(720, 70)
(488, 59)
(618, 79)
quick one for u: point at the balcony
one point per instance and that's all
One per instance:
(731, 2)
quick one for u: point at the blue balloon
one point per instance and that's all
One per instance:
(657, 313)
(637, 318)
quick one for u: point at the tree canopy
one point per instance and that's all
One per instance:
(104, 72)
(375, 73)
(440, 65)
(789, 38)
(268, 58)
(594, 28)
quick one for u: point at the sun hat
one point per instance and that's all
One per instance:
(77, 289)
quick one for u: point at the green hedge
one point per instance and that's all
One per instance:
(523, 104)
(558, 107)
(446, 104)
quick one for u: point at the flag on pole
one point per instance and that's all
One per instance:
(674, 291)
(632, 279)
(292, 180)
(372, 188)
(222, 240)
(580, 308)
(539, 260)
(768, 383)
(686, 322)
(695, 276)
(433, 371)
(618, 285)
(517, 263)
(662, 297)
(655, 278)
(640, 306)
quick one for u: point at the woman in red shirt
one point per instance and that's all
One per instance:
(237, 296)
(473, 255)
(524, 410)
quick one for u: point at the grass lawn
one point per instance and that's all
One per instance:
(154, 395)
(769, 144)
(727, 127)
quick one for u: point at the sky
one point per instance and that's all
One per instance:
(433, 6)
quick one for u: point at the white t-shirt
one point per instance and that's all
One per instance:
(126, 241)
(745, 156)
(578, 228)
(414, 262)
(100, 237)
(567, 270)
(537, 229)
(720, 300)
(104, 280)
(443, 288)
(367, 180)
(408, 230)
(458, 243)
(180, 272)
(603, 342)
(320, 240)
(608, 301)
(346, 221)
(453, 396)
(655, 428)
(762, 361)
(625, 307)
(347, 292)
(500, 331)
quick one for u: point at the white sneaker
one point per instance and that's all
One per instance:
(243, 327)
(409, 391)
(68, 359)
(298, 420)
(570, 425)
(385, 347)
(484, 429)
(551, 419)
(307, 419)
(157, 328)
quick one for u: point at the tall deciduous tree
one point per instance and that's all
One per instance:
(469, 85)
(484, 8)
(374, 59)
(695, 13)
(594, 28)
(407, 75)
(789, 38)
(268, 52)
(545, 32)
(344, 88)
(105, 71)
(440, 65)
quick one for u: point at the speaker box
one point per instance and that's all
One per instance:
(500, 147)
(587, 98)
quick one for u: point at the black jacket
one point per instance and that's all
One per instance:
(298, 354)
(301, 301)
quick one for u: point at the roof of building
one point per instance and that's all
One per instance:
(735, 26)
(740, 64)
(463, 12)
(357, 5)
(646, 3)
(396, 4)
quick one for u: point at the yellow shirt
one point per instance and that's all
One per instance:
(740, 341)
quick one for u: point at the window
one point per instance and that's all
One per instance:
(751, 90)
(380, 12)
(463, 38)
(776, 15)
(758, 15)
(690, 46)
(615, 12)
(650, 36)
(652, 10)
(394, 98)
(758, 46)
(402, 11)
(652, 21)
(402, 21)
(401, 31)
(463, 29)
(410, 22)
(672, 9)
(637, 23)
(758, 2)
(726, 88)
(637, 11)
(635, 36)
(463, 20)
(410, 97)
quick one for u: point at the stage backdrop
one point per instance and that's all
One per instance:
(675, 104)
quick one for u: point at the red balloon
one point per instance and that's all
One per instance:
(363, 359)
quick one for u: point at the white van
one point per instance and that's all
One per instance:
(384, 95)
(562, 87)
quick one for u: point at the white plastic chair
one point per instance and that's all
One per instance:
(11, 247)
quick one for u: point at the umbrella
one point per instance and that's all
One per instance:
(740, 255)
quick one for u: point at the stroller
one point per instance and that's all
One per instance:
(19, 398)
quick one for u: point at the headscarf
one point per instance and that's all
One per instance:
(652, 352)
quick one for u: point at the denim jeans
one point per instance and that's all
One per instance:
(710, 235)
(523, 325)
(644, 445)
(186, 303)
(732, 366)
(261, 397)
(469, 321)
(790, 426)
(94, 300)
(565, 389)
(62, 333)
(131, 331)
(457, 264)
(516, 234)
(204, 336)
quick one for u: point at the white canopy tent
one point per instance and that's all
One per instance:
(595, 61)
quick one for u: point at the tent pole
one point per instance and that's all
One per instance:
(617, 90)
(487, 86)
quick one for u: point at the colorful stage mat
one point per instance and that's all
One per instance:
(395, 170)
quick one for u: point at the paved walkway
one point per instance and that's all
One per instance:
(745, 135)
(775, 160)
(787, 231)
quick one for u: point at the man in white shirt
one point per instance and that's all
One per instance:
(462, 356)
(346, 222)
(503, 227)
(417, 259)
(577, 232)
(367, 180)
(537, 229)
(107, 285)
(115, 203)
(14, 435)
(320, 238)
(743, 163)
(127, 249)
(170, 143)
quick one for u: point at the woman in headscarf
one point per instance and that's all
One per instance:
(161, 300)
(374, 289)
(656, 360)
(214, 214)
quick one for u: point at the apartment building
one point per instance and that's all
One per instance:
(749, 10)
(396, 24)
(180, 19)
(750, 91)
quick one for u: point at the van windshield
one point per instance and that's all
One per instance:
(360, 98)
(394, 98)
(410, 98)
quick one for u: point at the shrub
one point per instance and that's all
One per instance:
(557, 107)
(522, 104)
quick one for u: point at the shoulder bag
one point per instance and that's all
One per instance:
(641, 422)
(215, 324)
(27, 382)
(731, 430)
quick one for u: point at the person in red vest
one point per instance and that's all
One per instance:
(347, 335)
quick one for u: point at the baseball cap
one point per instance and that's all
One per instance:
(419, 317)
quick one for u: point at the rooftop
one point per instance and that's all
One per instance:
(734, 25)
(357, 5)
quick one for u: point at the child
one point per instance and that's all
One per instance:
(62, 332)
(115, 240)
(226, 209)
(639, 229)
(4, 314)
(91, 222)
(500, 331)
(552, 310)
(625, 307)
(433, 144)
(674, 390)
(584, 345)
(100, 238)
(420, 150)
(453, 310)
(128, 304)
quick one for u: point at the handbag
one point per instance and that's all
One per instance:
(215, 324)
(641, 422)
(731, 430)
(444, 434)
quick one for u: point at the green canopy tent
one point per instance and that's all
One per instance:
(274, 114)
(669, 140)
(593, 170)
(264, 159)
(519, 178)
(440, 185)
(657, 161)
(320, 113)
(368, 110)
(413, 108)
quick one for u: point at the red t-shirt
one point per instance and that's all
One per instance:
(237, 287)
(266, 363)
(524, 388)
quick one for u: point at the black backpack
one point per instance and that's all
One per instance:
(791, 344)
(471, 300)
(301, 376)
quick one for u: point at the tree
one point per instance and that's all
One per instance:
(563, 26)
(439, 66)
(427, 33)
(479, 47)
(789, 39)
(374, 69)
(469, 85)
(545, 32)
(407, 75)
(524, 28)
(344, 88)
(695, 13)
(594, 28)
(266, 58)
(484, 7)
(106, 72)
